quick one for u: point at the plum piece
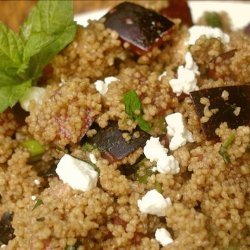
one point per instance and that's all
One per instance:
(142, 28)
(178, 9)
(111, 142)
(6, 229)
(234, 108)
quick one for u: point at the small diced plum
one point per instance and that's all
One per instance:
(142, 28)
(178, 9)
(234, 109)
(110, 141)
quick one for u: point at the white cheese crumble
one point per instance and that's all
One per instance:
(162, 75)
(76, 173)
(177, 130)
(92, 158)
(186, 77)
(154, 203)
(33, 197)
(197, 31)
(102, 86)
(163, 236)
(191, 64)
(33, 94)
(154, 151)
(37, 182)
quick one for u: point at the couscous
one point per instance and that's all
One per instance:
(125, 147)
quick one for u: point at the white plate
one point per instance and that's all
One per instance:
(237, 10)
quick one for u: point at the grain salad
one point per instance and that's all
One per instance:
(130, 133)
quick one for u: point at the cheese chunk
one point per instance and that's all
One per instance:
(154, 151)
(154, 203)
(76, 173)
(163, 236)
(177, 130)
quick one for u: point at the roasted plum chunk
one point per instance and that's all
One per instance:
(110, 140)
(178, 9)
(140, 27)
(229, 104)
(6, 229)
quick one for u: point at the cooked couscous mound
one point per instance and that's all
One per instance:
(209, 187)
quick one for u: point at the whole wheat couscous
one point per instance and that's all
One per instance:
(129, 141)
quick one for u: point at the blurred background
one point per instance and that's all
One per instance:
(13, 12)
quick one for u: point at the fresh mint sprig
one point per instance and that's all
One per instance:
(48, 29)
(132, 106)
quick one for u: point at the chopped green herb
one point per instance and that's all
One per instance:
(213, 19)
(144, 178)
(47, 30)
(133, 108)
(223, 149)
(88, 147)
(39, 202)
(158, 186)
(34, 147)
(144, 125)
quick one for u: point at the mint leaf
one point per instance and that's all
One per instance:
(48, 29)
(223, 149)
(132, 103)
(144, 125)
(10, 94)
(47, 52)
(39, 202)
(11, 48)
(132, 106)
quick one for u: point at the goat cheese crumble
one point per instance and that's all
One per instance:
(102, 86)
(76, 173)
(177, 130)
(154, 151)
(154, 203)
(163, 236)
(92, 158)
(32, 94)
(160, 77)
(186, 77)
(197, 31)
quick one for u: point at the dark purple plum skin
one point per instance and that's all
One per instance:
(110, 141)
(6, 229)
(239, 96)
(142, 28)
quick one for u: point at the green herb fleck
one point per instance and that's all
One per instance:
(34, 147)
(88, 147)
(133, 109)
(213, 19)
(223, 149)
(158, 186)
(144, 178)
(47, 30)
(39, 202)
